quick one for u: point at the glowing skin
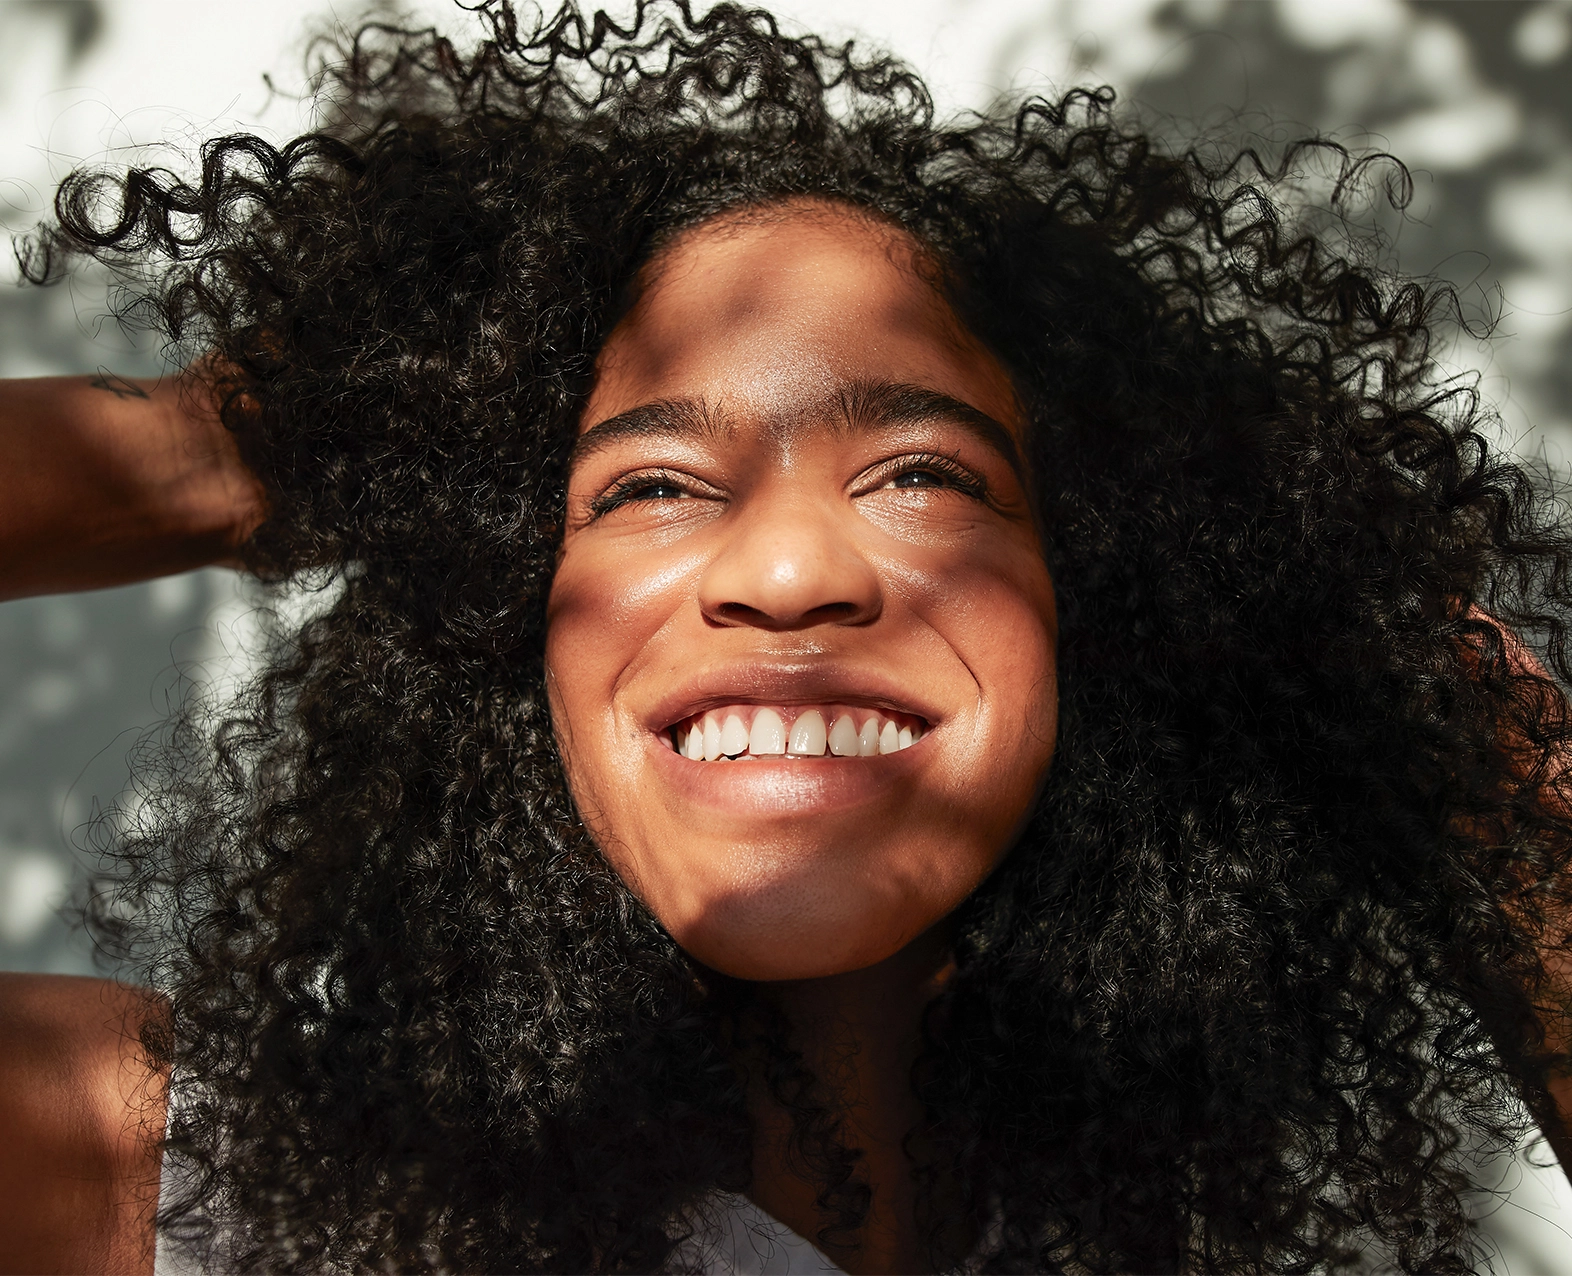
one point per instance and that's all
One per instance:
(740, 535)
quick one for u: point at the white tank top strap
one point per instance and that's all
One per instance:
(745, 1241)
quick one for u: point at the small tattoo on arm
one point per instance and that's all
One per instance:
(117, 385)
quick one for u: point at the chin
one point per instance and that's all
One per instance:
(745, 951)
(818, 917)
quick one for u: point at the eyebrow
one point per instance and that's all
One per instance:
(859, 406)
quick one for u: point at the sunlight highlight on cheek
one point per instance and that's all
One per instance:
(600, 589)
(929, 520)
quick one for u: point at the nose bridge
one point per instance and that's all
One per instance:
(789, 560)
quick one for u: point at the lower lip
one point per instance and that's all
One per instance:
(776, 786)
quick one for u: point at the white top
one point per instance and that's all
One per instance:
(751, 1243)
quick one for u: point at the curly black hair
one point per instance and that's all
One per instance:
(1274, 953)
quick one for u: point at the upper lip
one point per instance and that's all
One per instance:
(788, 682)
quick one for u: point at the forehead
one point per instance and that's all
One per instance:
(761, 313)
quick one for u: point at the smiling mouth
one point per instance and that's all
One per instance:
(736, 733)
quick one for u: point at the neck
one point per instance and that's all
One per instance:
(859, 1034)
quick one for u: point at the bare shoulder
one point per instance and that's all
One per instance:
(80, 1119)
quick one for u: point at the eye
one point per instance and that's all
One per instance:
(649, 486)
(918, 478)
(929, 470)
(655, 490)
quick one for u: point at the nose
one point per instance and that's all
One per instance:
(789, 567)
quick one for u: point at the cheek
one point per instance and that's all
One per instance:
(996, 612)
(604, 606)
(576, 664)
(1010, 642)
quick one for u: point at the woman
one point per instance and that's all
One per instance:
(954, 683)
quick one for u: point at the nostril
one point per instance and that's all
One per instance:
(824, 614)
(738, 614)
(831, 612)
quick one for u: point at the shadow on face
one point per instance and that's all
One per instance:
(801, 635)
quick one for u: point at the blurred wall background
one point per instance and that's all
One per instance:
(1474, 95)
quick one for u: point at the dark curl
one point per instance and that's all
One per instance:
(1271, 955)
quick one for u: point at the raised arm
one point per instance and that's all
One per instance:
(1552, 1106)
(105, 480)
(81, 1117)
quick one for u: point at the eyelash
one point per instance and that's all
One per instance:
(622, 491)
(955, 475)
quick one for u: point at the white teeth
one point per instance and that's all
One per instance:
(733, 736)
(843, 737)
(868, 739)
(716, 737)
(807, 735)
(768, 734)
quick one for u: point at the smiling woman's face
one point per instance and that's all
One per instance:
(801, 635)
